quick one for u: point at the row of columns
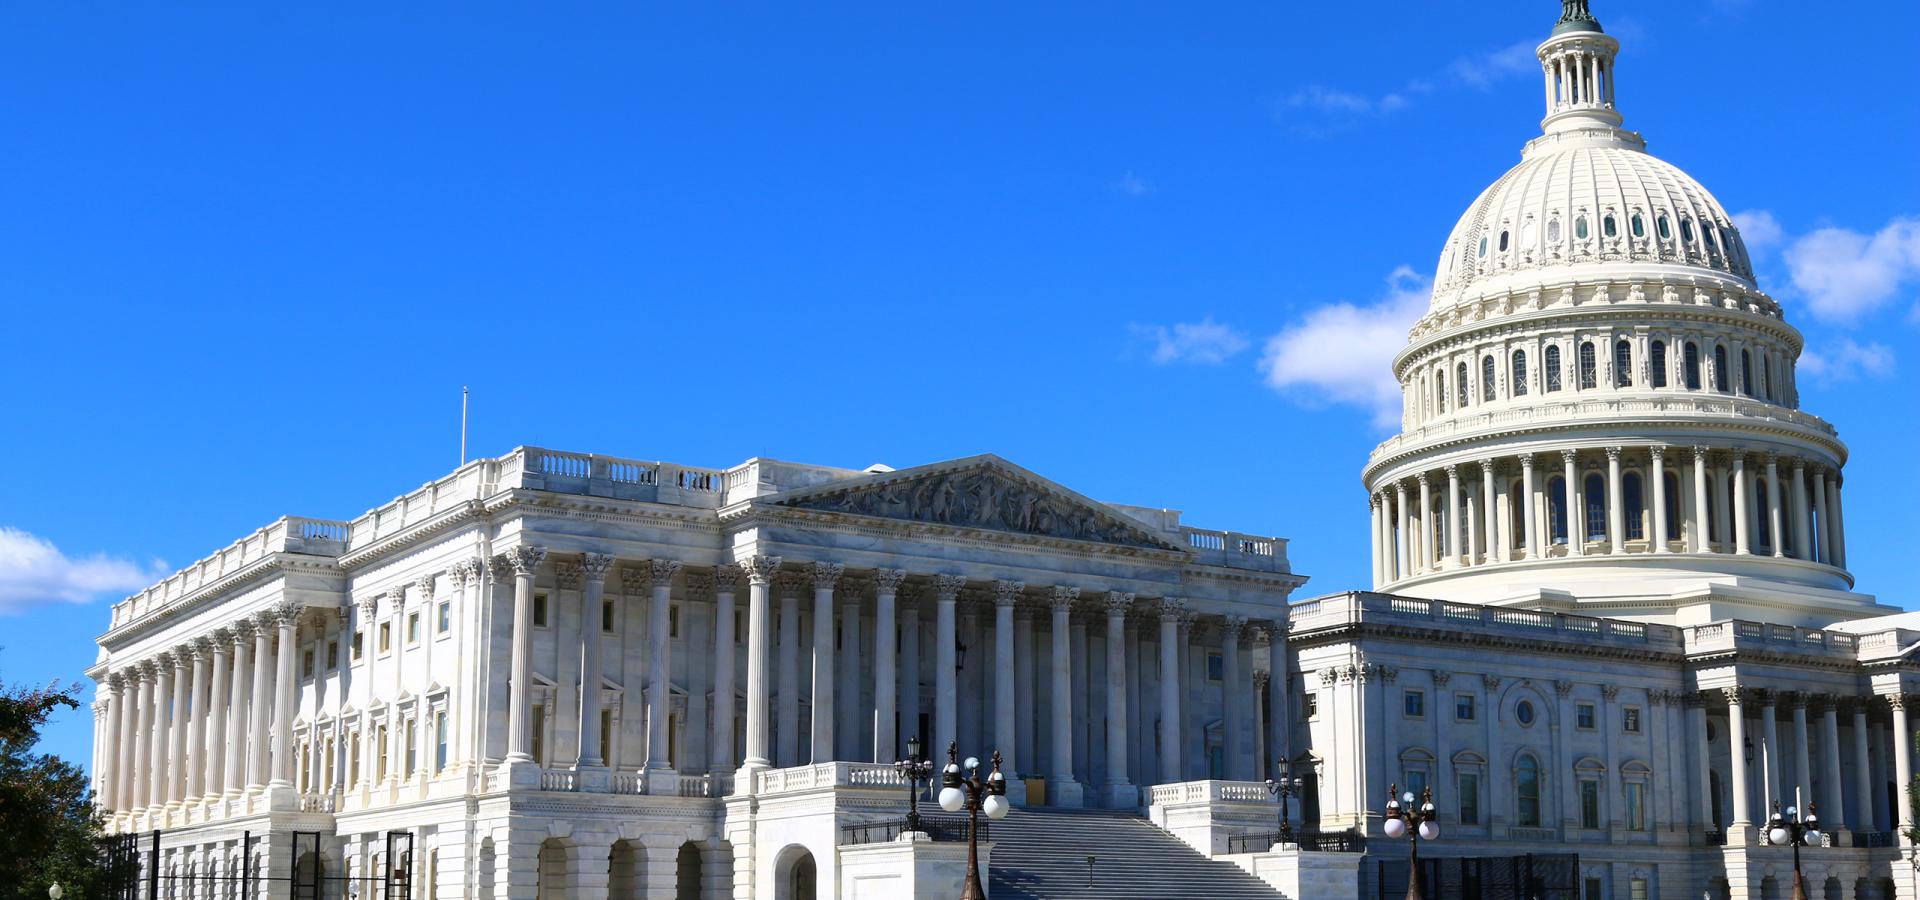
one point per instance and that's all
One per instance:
(1477, 529)
(208, 720)
(1833, 803)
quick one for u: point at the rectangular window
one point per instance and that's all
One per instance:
(380, 762)
(359, 641)
(1594, 889)
(1216, 667)
(1463, 707)
(1310, 707)
(1636, 806)
(1417, 784)
(412, 760)
(1589, 804)
(1630, 720)
(539, 729)
(413, 628)
(1583, 715)
(386, 636)
(673, 623)
(1414, 704)
(1637, 889)
(606, 737)
(540, 610)
(333, 655)
(606, 615)
(740, 629)
(1469, 793)
(353, 759)
(440, 740)
(306, 663)
(446, 616)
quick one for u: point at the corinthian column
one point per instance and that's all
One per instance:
(1170, 766)
(215, 770)
(525, 561)
(238, 725)
(726, 581)
(1494, 537)
(1616, 505)
(1119, 787)
(787, 734)
(659, 696)
(909, 600)
(1404, 556)
(179, 724)
(1742, 518)
(1802, 544)
(1702, 538)
(112, 770)
(886, 583)
(1530, 512)
(1576, 512)
(846, 692)
(1005, 594)
(1902, 756)
(593, 568)
(287, 617)
(1775, 517)
(1737, 736)
(152, 733)
(196, 770)
(1450, 554)
(1659, 536)
(824, 719)
(759, 571)
(1232, 696)
(1062, 789)
(1428, 553)
(946, 715)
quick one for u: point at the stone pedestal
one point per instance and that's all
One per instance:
(593, 779)
(1301, 873)
(909, 866)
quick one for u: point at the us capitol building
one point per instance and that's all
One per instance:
(1611, 617)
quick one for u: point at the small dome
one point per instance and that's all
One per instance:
(1587, 205)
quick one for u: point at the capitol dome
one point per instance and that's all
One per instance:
(1600, 406)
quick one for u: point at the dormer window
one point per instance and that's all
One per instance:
(1580, 228)
(1686, 230)
(1609, 228)
(1503, 242)
(1553, 231)
(1638, 225)
(1666, 231)
(1483, 246)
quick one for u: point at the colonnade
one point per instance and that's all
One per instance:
(1606, 500)
(1782, 765)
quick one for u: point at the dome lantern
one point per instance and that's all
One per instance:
(1578, 63)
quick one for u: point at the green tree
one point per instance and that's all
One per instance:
(49, 830)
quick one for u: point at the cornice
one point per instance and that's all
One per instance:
(741, 518)
(1364, 630)
(280, 563)
(1534, 322)
(472, 510)
(1714, 434)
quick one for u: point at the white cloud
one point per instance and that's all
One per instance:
(33, 572)
(1759, 230)
(1342, 353)
(1132, 185)
(1484, 70)
(1205, 342)
(1843, 274)
(1479, 72)
(1847, 360)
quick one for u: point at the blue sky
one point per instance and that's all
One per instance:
(1157, 252)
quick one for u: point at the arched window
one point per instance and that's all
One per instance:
(1766, 377)
(1746, 372)
(1519, 373)
(1622, 364)
(1553, 231)
(1673, 506)
(1632, 495)
(1486, 379)
(1594, 499)
(1437, 546)
(1666, 231)
(1580, 228)
(1690, 359)
(1639, 226)
(1686, 230)
(1503, 241)
(1440, 390)
(1557, 509)
(1483, 245)
(1526, 792)
(1720, 375)
(1461, 385)
(1608, 227)
(1761, 489)
(1552, 373)
(1589, 377)
(1657, 367)
(1516, 516)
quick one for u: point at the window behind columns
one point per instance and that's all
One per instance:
(1589, 366)
(1595, 491)
(1622, 364)
(1673, 506)
(1557, 509)
(1486, 379)
(1552, 371)
(1632, 494)
(1690, 360)
(1657, 367)
(1720, 374)
(1519, 373)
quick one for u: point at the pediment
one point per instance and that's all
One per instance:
(984, 492)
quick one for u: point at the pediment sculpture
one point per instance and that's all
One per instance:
(980, 498)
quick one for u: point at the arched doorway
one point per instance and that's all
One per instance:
(687, 873)
(626, 871)
(794, 874)
(309, 874)
(552, 873)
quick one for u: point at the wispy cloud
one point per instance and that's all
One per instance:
(1490, 68)
(1342, 353)
(1843, 275)
(1132, 185)
(1759, 230)
(1846, 360)
(1319, 108)
(34, 573)
(1205, 342)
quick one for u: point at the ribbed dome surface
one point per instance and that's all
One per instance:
(1589, 204)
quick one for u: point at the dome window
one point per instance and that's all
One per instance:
(1580, 228)
(1519, 373)
(1483, 245)
(1503, 242)
(1589, 367)
(1686, 230)
(1462, 386)
(1552, 371)
(1622, 364)
(1553, 231)
(1658, 369)
(1608, 228)
(1666, 231)
(1691, 362)
(1638, 225)
(1486, 379)
(1528, 230)
(1721, 376)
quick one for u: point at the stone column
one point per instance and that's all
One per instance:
(759, 571)
(787, 734)
(1120, 788)
(1742, 517)
(1005, 594)
(886, 584)
(1776, 517)
(1062, 789)
(287, 619)
(1429, 555)
(1659, 536)
(1736, 740)
(1702, 765)
(1862, 767)
(1770, 742)
(1702, 538)
(239, 727)
(1902, 755)
(1403, 548)
(112, 772)
(127, 783)
(593, 568)
(946, 695)
(1028, 690)
(215, 769)
(1379, 546)
(146, 737)
(180, 722)
(1170, 611)
(1802, 544)
(1494, 537)
(1616, 505)
(1278, 697)
(1576, 512)
(1833, 798)
(1450, 554)
(1233, 698)
(726, 581)
(525, 561)
(1838, 533)
(195, 762)
(258, 723)
(1822, 535)
(1802, 770)
(847, 735)
(1530, 511)
(659, 650)
(825, 719)
(909, 600)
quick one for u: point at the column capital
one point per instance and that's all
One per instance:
(425, 586)
(1487, 467)
(1895, 701)
(1658, 452)
(1763, 696)
(1422, 479)
(525, 558)
(1613, 454)
(1526, 461)
(1569, 456)
(1490, 683)
(1232, 628)
(1700, 454)
(887, 581)
(1063, 596)
(1772, 457)
(465, 571)
(1693, 700)
(397, 597)
(1797, 700)
(1118, 603)
(726, 578)
(222, 636)
(1453, 471)
(699, 585)
(568, 575)
(502, 567)
(1006, 592)
(662, 570)
(1610, 692)
(1562, 687)
(1733, 695)
(947, 586)
(1799, 466)
(242, 630)
(596, 565)
(202, 648)
(824, 574)
(759, 569)
(854, 587)
(635, 580)
(1170, 609)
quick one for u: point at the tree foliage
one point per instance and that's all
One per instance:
(49, 830)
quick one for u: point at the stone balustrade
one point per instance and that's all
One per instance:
(1356, 607)
(827, 776)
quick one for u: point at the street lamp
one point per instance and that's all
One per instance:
(975, 795)
(1288, 785)
(1791, 830)
(56, 891)
(916, 769)
(1418, 824)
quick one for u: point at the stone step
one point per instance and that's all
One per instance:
(1042, 853)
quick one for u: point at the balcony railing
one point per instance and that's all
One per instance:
(1319, 841)
(940, 828)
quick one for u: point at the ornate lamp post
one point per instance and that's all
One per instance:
(1288, 785)
(917, 770)
(974, 794)
(1791, 830)
(1418, 824)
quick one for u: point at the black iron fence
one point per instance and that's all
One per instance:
(1321, 841)
(1875, 839)
(137, 869)
(1531, 876)
(939, 828)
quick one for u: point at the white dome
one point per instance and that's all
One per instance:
(1597, 202)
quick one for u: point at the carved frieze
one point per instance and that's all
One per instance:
(981, 497)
